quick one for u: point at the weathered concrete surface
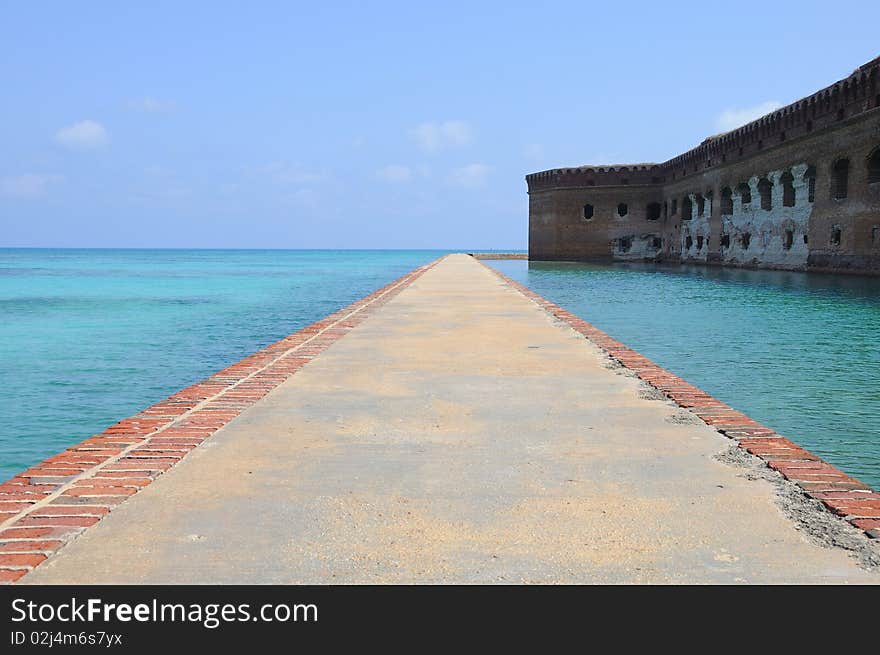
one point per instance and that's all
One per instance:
(458, 435)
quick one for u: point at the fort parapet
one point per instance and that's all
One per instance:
(798, 188)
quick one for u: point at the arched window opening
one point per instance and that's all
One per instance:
(788, 239)
(624, 244)
(787, 181)
(745, 239)
(874, 166)
(745, 193)
(588, 212)
(840, 179)
(699, 242)
(688, 242)
(701, 204)
(653, 211)
(835, 235)
(765, 189)
(725, 241)
(726, 201)
(622, 209)
(687, 208)
(810, 179)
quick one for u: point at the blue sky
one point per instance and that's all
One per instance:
(369, 125)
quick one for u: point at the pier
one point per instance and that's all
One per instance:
(450, 428)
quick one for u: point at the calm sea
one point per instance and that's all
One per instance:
(88, 337)
(799, 352)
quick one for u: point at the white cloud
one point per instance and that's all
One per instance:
(27, 186)
(470, 176)
(395, 173)
(152, 105)
(733, 118)
(84, 135)
(432, 137)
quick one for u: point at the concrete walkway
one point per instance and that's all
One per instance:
(458, 435)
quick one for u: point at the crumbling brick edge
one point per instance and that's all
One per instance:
(50, 504)
(844, 495)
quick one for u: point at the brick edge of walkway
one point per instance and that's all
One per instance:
(842, 494)
(50, 504)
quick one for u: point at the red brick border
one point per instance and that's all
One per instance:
(53, 502)
(844, 495)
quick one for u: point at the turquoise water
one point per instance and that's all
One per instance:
(88, 337)
(799, 352)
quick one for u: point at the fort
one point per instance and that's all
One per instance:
(796, 189)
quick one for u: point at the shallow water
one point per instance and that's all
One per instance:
(88, 337)
(799, 352)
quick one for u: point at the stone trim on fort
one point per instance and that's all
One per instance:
(796, 189)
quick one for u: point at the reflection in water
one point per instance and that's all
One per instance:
(797, 351)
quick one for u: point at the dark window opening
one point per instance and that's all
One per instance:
(624, 244)
(835, 235)
(745, 193)
(874, 166)
(725, 241)
(810, 177)
(674, 205)
(588, 211)
(656, 243)
(840, 179)
(687, 208)
(788, 196)
(622, 209)
(745, 240)
(688, 242)
(875, 234)
(806, 239)
(765, 189)
(665, 209)
(788, 239)
(701, 204)
(699, 242)
(726, 201)
(653, 211)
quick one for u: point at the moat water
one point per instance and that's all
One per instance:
(799, 352)
(88, 337)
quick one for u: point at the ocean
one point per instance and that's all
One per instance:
(799, 352)
(88, 337)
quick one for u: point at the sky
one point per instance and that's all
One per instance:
(370, 125)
